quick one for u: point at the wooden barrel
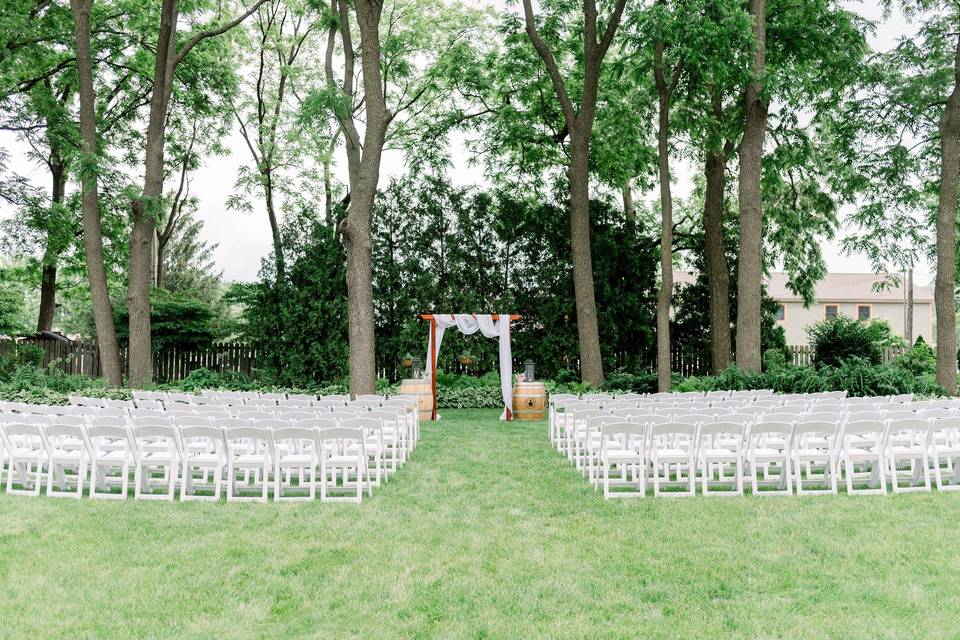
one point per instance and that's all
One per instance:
(529, 401)
(423, 391)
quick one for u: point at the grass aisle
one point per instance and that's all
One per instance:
(486, 532)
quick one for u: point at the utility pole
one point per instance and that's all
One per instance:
(908, 325)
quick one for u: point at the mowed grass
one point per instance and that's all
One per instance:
(485, 533)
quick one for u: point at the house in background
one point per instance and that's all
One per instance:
(849, 294)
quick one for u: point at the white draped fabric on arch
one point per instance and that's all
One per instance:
(491, 325)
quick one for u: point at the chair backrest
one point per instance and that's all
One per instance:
(108, 421)
(588, 413)
(272, 423)
(316, 423)
(594, 397)
(562, 397)
(212, 412)
(230, 423)
(597, 422)
(903, 414)
(295, 403)
(145, 413)
(272, 398)
(735, 429)
(364, 404)
(743, 418)
(370, 424)
(109, 436)
(872, 428)
(624, 428)
(702, 418)
(760, 430)
(59, 430)
(150, 421)
(615, 405)
(302, 397)
(82, 401)
(805, 428)
(247, 440)
(649, 418)
(340, 434)
(781, 416)
(153, 434)
(340, 415)
(370, 396)
(213, 437)
(295, 414)
(673, 428)
(342, 399)
(861, 416)
(256, 416)
(300, 436)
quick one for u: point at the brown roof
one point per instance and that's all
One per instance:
(836, 287)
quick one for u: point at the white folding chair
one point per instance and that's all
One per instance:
(861, 450)
(623, 447)
(67, 459)
(342, 451)
(674, 444)
(296, 453)
(155, 449)
(111, 454)
(907, 443)
(814, 447)
(768, 454)
(203, 449)
(943, 444)
(720, 445)
(27, 456)
(248, 450)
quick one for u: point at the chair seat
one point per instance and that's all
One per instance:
(621, 455)
(720, 453)
(298, 459)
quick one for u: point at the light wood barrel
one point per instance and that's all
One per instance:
(424, 393)
(529, 401)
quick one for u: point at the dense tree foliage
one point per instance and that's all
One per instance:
(579, 115)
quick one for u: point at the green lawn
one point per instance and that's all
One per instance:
(486, 532)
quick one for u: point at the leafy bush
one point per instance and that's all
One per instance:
(837, 339)
(774, 359)
(485, 397)
(622, 381)
(856, 376)
(16, 354)
(176, 321)
(919, 360)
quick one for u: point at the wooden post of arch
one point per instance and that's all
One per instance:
(433, 358)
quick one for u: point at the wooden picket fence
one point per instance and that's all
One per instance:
(175, 364)
(803, 354)
(168, 365)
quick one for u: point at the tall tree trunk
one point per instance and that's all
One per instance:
(750, 264)
(278, 259)
(945, 287)
(588, 333)
(92, 232)
(579, 122)
(48, 276)
(664, 374)
(355, 227)
(629, 208)
(146, 207)
(718, 273)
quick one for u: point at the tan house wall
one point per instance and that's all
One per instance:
(797, 318)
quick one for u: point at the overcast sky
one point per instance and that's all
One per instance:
(244, 238)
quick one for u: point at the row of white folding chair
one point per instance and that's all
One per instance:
(110, 450)
(817, 451)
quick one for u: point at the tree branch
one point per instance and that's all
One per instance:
(210, 33)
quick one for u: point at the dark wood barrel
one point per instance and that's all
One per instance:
(529, 401)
